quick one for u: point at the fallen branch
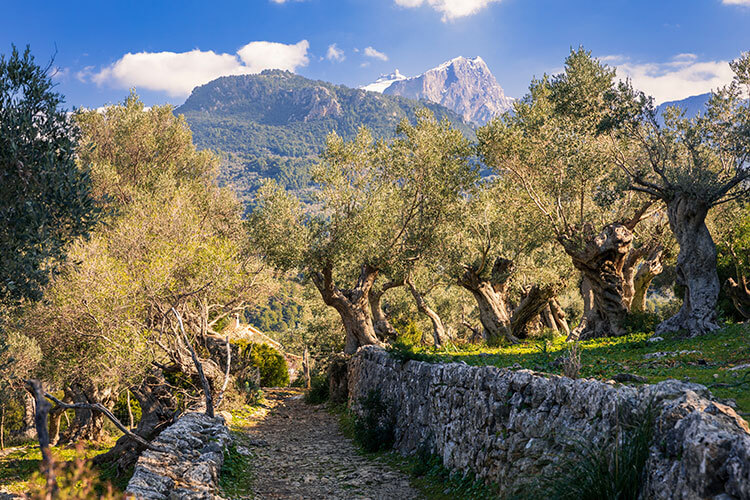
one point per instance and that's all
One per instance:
(198, 367)
(103, 410)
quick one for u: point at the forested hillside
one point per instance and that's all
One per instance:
(275, 124)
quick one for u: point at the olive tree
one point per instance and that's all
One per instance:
(45, 200)
(173, 239)
(692, 165)
(553, 149)
(380, 205)
(510, 267)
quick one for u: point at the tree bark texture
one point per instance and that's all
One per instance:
(534, 302)
(491, 297)
(696, 268)
(383, 328)
(158, 410)
(438, 329)
(647, 271)
(87, 425)
(600, 259)
(352, 305)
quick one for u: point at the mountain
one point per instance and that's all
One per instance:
(693, 105)
(463, 85)
(384, 82)
(274, 124)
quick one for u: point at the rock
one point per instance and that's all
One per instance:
(655, 339)
(629, 377)
(507, 426)
(195, 445)
(745, 366)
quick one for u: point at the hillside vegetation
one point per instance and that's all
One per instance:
(275, 124)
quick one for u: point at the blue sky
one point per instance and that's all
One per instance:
(671, 48)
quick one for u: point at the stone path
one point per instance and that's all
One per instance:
(299, 453)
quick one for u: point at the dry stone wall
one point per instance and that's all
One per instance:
(509, 427)
(190, 467)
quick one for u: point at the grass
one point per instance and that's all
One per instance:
(705, 360)
(235, 479)
(18, 464)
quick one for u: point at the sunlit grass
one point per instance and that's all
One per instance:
(18, 464)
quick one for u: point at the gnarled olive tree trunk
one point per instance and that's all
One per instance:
(696, 268)
(438, 329)
(600, 259)
(535, 300)
(353, 306)
(86, 424)
(647, 271)
(383, 328)
(491, 297)
(552, 317)
(158, 409)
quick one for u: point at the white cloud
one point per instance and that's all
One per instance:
(177, 73)
(334, 53)
(370, 52)
(681, 77)
(451, 9)
(736, 2)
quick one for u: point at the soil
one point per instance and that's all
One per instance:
(298, 452)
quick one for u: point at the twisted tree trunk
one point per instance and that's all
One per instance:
(353, 306)
(534, 302)
(491, 297)
(648, 270)
(696, 268)
(87, 424)
(600, 259)
(438, 329)
(158, 409)
(383, 328)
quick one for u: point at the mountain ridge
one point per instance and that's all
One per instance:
(464, 85)
(274, 124)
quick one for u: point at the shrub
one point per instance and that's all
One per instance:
(271, 364)
(318, 392)
(374, 426)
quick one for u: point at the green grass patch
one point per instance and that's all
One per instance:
(235, 478)
(18, 465)
(705, 360)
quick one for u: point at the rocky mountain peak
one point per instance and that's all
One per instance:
(464, 85)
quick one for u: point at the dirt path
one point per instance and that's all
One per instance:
(299, 453)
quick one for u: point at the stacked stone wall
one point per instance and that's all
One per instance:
(191, 464)
(509, 427)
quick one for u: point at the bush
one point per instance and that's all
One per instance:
(374, 426)
(271, 364)
(318, 392)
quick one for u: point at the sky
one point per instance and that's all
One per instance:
(669, 48)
